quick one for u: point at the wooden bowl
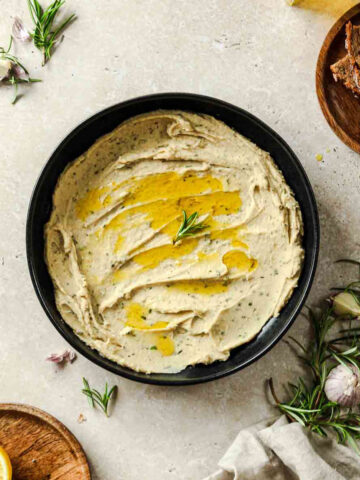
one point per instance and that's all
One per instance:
(339, 105)
(39, 446)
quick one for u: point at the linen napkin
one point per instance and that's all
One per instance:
(286, 451)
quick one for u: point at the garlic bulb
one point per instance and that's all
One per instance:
(345, 304)
(343, 386)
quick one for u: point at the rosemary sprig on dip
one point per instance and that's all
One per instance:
(13, 72)
(189, 226)
(95, 397)
(334, 360)
(44, 35)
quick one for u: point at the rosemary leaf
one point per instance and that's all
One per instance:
(189, 226)
(348, 260)
(87, 392)
(45, 35)
(309, 405)
(95, 397)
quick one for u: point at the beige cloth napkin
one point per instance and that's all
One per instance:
(282, 451)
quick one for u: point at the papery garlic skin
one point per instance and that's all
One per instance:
(66, 356)
(346, 304)
(19, 31)
(5, 69)
(343, 386)
(20, 73)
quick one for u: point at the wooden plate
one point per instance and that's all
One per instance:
(339, 105)
(39, 446)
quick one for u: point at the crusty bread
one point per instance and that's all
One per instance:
(343, 71)
(347, 70)
(352, 43)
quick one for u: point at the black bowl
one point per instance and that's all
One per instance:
(80, 139)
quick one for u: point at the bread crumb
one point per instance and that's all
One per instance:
(81, 418)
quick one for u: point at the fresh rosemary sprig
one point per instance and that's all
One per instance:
(16, 72)
(45, 36)
(310, 408)
(189, 226)
(309, 405)
(95, 397)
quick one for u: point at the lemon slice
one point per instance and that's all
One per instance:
(5, 465)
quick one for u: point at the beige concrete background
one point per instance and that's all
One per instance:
(257, 54)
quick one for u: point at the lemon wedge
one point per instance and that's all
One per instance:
(5, 465)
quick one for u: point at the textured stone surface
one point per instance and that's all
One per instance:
(258, 54)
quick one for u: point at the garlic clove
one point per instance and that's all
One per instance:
(343, 386)
(5, 69)
(66, 356)
(20, 73)
(345, 304)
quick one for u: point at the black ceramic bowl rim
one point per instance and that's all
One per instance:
(82, 137)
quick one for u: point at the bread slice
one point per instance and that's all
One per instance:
(343, 71)
(352, 43)
(347, 70)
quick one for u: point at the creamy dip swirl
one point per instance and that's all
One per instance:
(121, 282)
